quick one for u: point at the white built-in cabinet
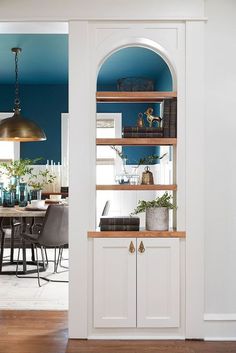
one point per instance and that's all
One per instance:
(136, 282)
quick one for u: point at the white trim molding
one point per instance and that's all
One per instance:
(220, 317)
(227, 339)
(136, 338)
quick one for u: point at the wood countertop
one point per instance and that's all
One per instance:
(138, 234)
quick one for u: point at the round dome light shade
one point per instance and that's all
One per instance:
(17, 128)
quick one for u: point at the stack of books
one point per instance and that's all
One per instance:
(169, 122)
(136, 131)
(122, 223)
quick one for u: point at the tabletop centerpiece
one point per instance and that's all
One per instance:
(16, 190)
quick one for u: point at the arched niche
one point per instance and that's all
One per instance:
(135, 61)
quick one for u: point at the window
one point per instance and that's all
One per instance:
(8, 150)
(108, 126)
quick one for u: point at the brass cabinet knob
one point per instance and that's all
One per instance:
(141, 248)
(131, 247)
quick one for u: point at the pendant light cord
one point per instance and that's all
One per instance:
(17, 89)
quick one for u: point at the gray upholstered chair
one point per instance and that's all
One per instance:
(53, 234)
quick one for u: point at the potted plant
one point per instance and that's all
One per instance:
(157, 212)
(37, 181)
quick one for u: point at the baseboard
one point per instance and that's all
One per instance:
(226, 339)
(161, 338)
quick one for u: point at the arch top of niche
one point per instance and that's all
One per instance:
(142, 43)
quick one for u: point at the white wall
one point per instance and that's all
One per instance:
(14, 10)
(220, 169)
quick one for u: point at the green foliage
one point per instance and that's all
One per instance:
(38, 180)
(150, 159)
(18, 168)
(145, 160)
(119, 153)
(162, 201)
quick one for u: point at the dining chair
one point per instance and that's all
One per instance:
(53, 234)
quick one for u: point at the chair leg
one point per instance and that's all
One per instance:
(46, 255)
(59, 257)
(2, 249)
(32, 253)
(43, 258)
(24, 255)
(55, 260)
(37, 261)
(17, 263)
(12, 244)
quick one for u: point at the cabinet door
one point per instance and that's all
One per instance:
(158, 283)
(114, 283)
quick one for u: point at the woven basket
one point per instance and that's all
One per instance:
(135, 84)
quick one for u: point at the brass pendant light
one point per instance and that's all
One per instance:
(17, 128)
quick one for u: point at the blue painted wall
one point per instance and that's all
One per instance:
(130, 113)
(133, 61)
(43, 104)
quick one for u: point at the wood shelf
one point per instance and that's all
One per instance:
(136, 141)
(136, 187)
(138, 234)
(152, 96)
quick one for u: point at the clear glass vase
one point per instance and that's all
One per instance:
(123, 177)
(35, 194)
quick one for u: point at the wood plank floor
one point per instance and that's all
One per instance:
(46, 332)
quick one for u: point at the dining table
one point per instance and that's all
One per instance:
(27, 218)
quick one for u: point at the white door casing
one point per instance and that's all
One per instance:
(101, 39)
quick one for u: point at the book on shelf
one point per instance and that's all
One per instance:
(170, 118)
(119, 220)
(143, 129)
(119, 227)
(166, 118)
(173, 118)
(143, 134)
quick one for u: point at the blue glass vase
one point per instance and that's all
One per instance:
(1, 193)
(14, 183)
(22, 194)
(8, 199)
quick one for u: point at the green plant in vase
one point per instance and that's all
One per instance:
(157, 212)
(18, 168)
(133, 178)
(14, 171)
(37, 181)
